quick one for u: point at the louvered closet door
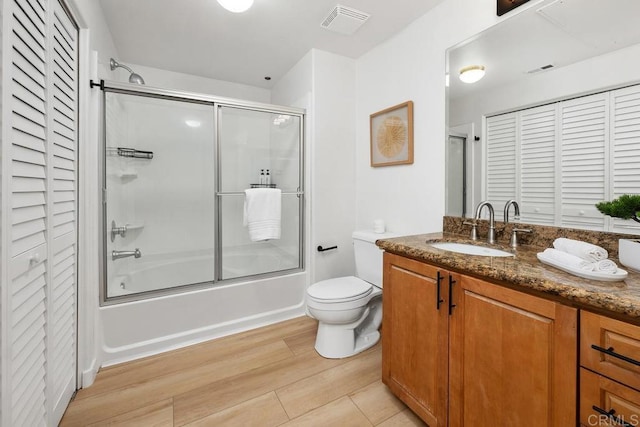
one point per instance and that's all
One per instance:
(501, 170)
(39, 170)
(63, 97)
(538, 130)
(625, 150)
(584, 125)
(24, 400)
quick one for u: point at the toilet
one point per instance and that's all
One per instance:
(349, 309)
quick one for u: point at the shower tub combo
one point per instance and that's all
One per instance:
(178, 263)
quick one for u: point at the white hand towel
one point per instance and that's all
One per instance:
(262, 213)
(584, 250)
(568, 260)
(606, 266)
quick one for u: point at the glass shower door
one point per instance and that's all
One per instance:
(258, 149)
(159, 178)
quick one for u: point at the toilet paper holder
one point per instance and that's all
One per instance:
(321, 249)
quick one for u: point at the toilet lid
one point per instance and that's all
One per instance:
(342, 289)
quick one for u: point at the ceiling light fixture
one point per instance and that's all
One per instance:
(472, 73)
(236, 6)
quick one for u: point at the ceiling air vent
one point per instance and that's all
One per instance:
(543, 68)
(344, 20)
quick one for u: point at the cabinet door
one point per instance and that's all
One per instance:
(414, 336)
(610, 347)
(604, 402)
(513, 358)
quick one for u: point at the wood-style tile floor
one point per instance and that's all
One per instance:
(270, 376)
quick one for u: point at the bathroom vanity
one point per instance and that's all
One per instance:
(478, 341)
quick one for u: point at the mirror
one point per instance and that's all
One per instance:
(554, 50)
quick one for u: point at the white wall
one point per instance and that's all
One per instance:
(411, 66)
(333, 156)
(90, 16)
(187, 82)
(328, 80)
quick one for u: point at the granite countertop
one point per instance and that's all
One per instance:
(619, 298)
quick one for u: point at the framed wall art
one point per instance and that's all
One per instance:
(392, 135)
(504, 6)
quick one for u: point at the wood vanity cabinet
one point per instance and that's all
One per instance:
(489, 356)
(609, 371)
(415, 336)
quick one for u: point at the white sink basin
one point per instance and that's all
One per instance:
(464, 248)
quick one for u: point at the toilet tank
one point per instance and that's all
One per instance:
(368, 256)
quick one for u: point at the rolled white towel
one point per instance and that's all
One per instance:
(584, 250)
(606, 266)
(568, 260)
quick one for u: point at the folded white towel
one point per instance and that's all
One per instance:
(584, 250)
(606, 266)
(569, 260)
(262, 213)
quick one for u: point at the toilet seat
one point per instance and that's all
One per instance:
(339, 290)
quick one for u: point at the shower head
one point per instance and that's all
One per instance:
(133, 78)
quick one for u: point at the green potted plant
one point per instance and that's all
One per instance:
(626, 206)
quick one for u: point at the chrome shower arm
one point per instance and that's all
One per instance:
(115, 64)
(133, 77)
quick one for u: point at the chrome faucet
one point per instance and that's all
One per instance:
(124, 254)
(491, 236)
(516, 211)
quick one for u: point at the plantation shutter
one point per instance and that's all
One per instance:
(625, 150)
(584, 124)
(38, 335)
(501, 160)
(538, 164)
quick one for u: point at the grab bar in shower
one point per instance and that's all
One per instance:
(132, 152)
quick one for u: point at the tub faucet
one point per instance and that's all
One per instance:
(124, 254)
(516, 210)
(491, 236)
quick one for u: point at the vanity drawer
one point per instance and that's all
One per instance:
(611, 348)
(604, 402)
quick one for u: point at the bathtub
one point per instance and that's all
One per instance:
(171, 270)
(141, 328)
